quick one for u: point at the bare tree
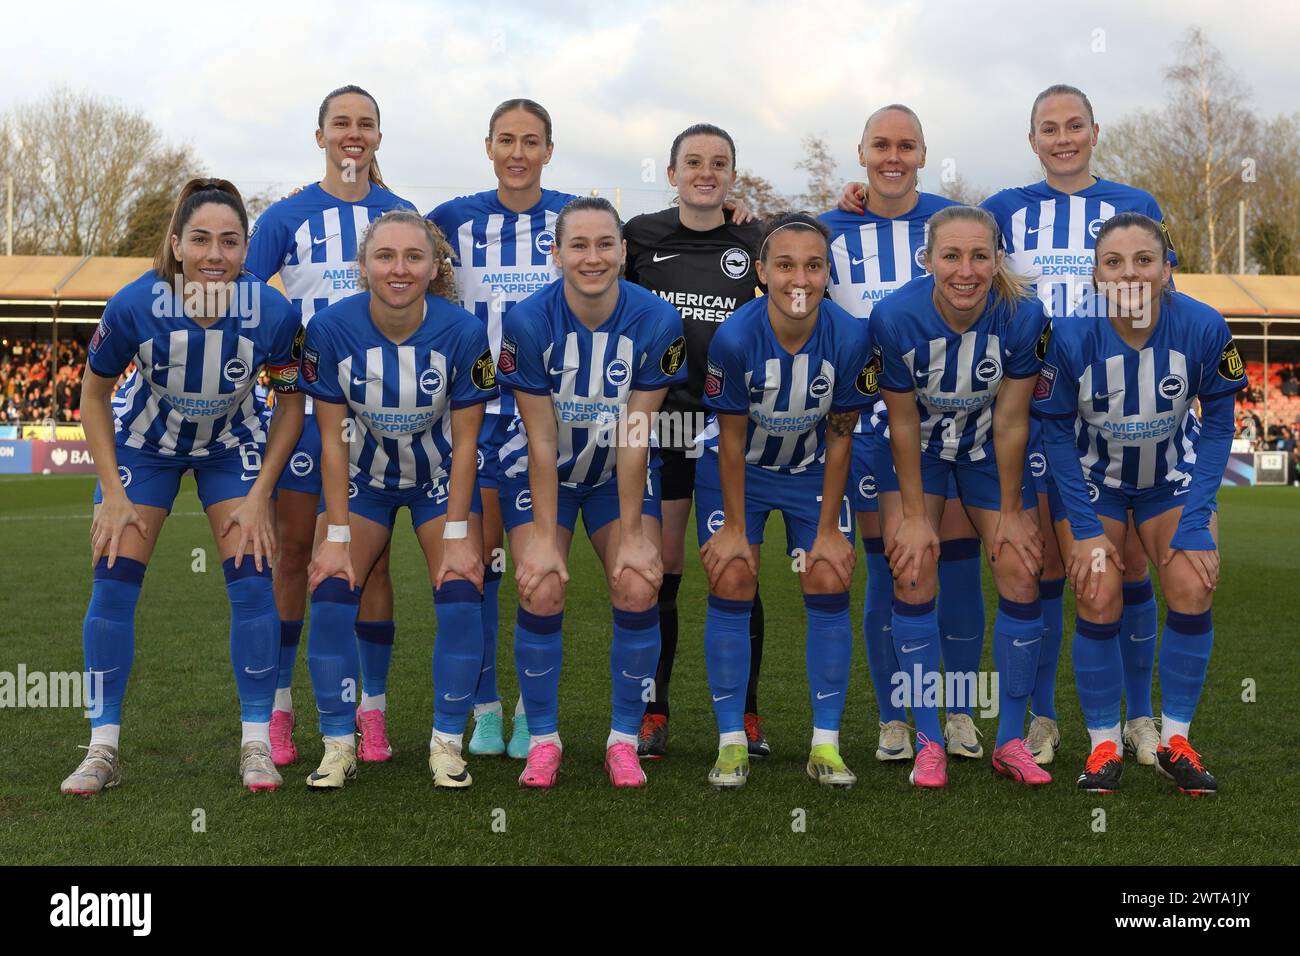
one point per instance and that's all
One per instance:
(758, 194)
(959, 190)
(87, 171)
(1194, 155)
(823, 191)
(1273, 198)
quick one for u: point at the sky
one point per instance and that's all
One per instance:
(242, 85)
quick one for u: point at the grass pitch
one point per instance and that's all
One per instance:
(181, 730)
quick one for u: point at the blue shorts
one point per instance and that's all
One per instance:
(302, 473)
(597, 503)
(380, 505)
(1145, 503)
(863, 490)
(797, 497)
(975, 482)
(153, 479)
(1036, 456)
(493, 434)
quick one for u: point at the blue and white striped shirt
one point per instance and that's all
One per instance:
(192, 392)
(1050, 236)
(501, 257)
(546, 350)
(400, 396)
(955, 375)
(1134, 425)
(786, 397)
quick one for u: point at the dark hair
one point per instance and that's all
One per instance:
(896, 108)
(324, 108)
(586, 204)
(1127, 220)
(1059, 89)
(1009, 285)
(195, 193)
(700, 129)
(528, 106)
(797, 221)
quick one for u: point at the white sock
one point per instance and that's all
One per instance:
(347, 740)
(1098, 737)
(492, 708)
(821, 736)
(451, 740)
(618, 737)
(378, 702)
(737, 737)
(283, 699)
(108, 734)
(538, 739)
(1170, 728)
(519, 706)
(255, 731)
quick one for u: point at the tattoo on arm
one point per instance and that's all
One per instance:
(841, 423)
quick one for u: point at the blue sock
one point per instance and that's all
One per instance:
(108, 636)
(1137, 647)
(961, 613)
(726, 659)
(332, 655)
(290, 638)
(1184, 659)
(486, 690)
(1098, 672)
(877, 628)
(1050, 595)
(457, 654)
(826, 656)
(1017, 642)
(375, 649)
(539, 652)
(633, 656)
(916, 642)
(254, 637)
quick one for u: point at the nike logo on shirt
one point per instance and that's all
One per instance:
(317, 242)
(481, 245)
(858, 262)
(659, 258)
(363, 381)
(1038, 229)
(1102, 396)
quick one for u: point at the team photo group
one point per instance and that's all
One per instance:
(934, 389)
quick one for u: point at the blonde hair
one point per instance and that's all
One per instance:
(443, 282)
(195, 193)
(1010, 286)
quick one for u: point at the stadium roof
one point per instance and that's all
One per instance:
(37, 279)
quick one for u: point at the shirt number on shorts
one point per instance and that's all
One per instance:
(846, 514)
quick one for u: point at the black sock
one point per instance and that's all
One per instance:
(667, 643)
(755, 653)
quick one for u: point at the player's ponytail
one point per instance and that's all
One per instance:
(1009, 286)
(373, 172)
(443, 282)
(195, 193)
